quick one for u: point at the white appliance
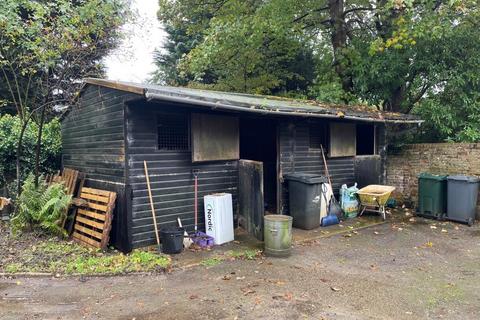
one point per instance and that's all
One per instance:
(219, 217)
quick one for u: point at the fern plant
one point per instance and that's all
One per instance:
(43, 208)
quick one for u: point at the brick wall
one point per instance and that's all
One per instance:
(403, 167)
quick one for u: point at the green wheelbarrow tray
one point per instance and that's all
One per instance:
(374, 198)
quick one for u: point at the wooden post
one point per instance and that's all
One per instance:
(151, 202)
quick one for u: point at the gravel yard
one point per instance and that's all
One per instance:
(412, 270)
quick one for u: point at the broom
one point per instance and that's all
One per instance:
(333, 207)
(151, 204)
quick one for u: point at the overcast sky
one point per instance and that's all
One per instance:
(133, 60)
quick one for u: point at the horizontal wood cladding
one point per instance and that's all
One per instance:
(297, 156)
(171, 177)
(93, 134)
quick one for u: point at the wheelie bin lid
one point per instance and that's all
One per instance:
(307, 178)
(431, 176)
(468, 179)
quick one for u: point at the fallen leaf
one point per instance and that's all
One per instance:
(433, 227)
(334, 289)
(348, 235)
(240, 278)
(429, 244)
(375, 232)
(226, 277)
(288, 296)
(400, 229)
(444, 230)
(246, 291)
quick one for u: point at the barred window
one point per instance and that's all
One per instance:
(173, 132)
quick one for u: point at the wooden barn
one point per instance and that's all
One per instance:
(236, 143)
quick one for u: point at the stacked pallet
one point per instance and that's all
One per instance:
(94, 219)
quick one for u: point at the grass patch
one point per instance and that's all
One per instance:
(210, 262)
(61, 257)
(247, 254)
(244, 254)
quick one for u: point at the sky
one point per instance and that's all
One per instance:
(133, 59)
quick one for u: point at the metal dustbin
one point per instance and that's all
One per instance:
(432, 195)
(305, 196)
(277, 235)
(462, 198)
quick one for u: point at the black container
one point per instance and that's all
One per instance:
(172, 240)
(305, 196)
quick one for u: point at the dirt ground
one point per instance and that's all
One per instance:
(416, 270)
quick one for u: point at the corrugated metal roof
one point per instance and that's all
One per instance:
(271, 105)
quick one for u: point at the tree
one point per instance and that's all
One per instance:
(410, 56)
(46, 48)
(250, 58)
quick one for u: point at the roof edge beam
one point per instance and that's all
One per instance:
(215, 105)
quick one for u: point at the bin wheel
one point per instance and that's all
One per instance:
(470, 222)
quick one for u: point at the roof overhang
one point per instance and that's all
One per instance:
(263, 105)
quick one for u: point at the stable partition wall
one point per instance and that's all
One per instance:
(166, 146)
(299, 151)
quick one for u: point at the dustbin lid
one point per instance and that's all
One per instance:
(468, 179)
(307, 178)
(431, 176)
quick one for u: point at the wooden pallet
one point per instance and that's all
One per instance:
(72, 179)
(94, 219)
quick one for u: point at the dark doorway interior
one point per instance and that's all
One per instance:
(365, 139)
(258, 141)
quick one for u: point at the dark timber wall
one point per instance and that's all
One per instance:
(297, 156)
(171, 177)
(93, 142)
(109, 134)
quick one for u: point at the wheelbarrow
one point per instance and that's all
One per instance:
(374, 198)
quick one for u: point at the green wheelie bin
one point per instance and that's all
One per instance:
(432, 196)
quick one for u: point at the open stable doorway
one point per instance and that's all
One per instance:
(258, 142)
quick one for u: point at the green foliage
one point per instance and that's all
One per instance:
(10, 127)
(43, 208)
(404, 56)
(239, 48)
(211, 262)
(247, 254)
(47, 46)
(137, 261)
(60, 257)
